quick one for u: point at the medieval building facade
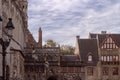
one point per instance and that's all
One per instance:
(43, 62)
(100, 53)
(40, 62)
(17, 11)
(95, 58)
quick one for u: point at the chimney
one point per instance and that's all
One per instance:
(103, 32)
(40, 37)
(77, 37)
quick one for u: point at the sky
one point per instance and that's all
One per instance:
(63, 20)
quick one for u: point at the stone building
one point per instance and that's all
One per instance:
(71, 68)
(17, 11)
(100, 53)
(40, 62)
(43, 62)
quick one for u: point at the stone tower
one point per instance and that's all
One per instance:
(40, 38)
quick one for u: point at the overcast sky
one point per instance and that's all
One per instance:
(63, 20)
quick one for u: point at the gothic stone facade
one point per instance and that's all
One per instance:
(17, 10)
(42, 63)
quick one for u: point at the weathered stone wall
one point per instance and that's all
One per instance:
(13, 9)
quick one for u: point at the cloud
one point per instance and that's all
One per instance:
(62, 20)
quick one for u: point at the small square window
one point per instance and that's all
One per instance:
(105, 71)
(115, 70)
(90, 58)
(90, 71)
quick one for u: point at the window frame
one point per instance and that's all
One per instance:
(105, 71)
(115, 71)
(90, 71)
(90, 58)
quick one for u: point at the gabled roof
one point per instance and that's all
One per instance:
(30, 39)
(87, 46)
(102, 37)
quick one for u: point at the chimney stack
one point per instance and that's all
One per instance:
(40, 37)
(77, 37)
(103, 32)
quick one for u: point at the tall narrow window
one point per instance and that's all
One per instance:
(108, 58)
(113, 58)
(117, 59)
(102, 58)
(105, 58)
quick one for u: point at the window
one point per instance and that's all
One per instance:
(110, 58)
(102, 58)
(64, 69)
(109, 44)
(90, 58)
(90, 71)
(117, 58)
(114, 59)
(115, 71)
(105, 71)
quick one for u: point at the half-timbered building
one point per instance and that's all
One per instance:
(100, 53)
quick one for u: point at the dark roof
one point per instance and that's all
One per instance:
(116, 38)
(102, 37)
(69, 58)
(86, 47)
(71, 61)
(92, 35)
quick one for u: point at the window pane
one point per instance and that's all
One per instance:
(102, 58)
(90, 71)
(110, 58)
(107, 40)
(104, 45)
(110, 40)
(90, 58)
(108, 46)
(111, 46)
(107, 58)
(115, 70)
(116, 58)
(105, 70)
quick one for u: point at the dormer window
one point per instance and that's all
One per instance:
(90, 58)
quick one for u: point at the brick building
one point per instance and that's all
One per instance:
(100, 53)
